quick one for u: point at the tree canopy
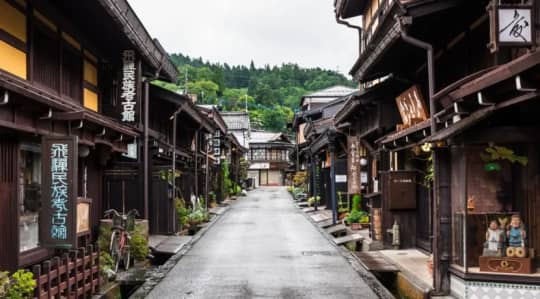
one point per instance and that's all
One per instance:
(271, 94)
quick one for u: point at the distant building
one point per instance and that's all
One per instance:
(269, 157)
(322, 97)
(238, 125)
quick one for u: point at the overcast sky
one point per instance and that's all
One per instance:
(237, 31)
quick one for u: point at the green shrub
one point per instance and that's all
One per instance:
(138, 246)
(312, 200)
(106, 264)
(21, 285)
(355, 216)
(4, 283)
(356, 202)
(182, 213)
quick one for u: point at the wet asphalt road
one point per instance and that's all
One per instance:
(263, 247)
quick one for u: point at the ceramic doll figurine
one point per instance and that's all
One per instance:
(494, 240)
(516, 238)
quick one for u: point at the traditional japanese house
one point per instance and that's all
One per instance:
(236, 156)
(312, 107)
(463, 97)
(166, 109)
(327, 155)
(64, 117)
(269, 157)
(367, 116)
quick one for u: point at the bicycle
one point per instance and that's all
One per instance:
(119, 245)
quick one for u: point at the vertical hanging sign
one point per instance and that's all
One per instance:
(216, 143)
(58, 215)
(353, 163)
(128, 88)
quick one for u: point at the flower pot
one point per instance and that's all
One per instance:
(356, 226)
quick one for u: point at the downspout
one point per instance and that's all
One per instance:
(441, 227)
(430, 60)
(343, 22)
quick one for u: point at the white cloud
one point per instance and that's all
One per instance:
(237, 31)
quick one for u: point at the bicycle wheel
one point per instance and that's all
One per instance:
(127, 257)
(115, 250)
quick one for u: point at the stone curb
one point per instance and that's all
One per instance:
(373, 283)
(155, 276)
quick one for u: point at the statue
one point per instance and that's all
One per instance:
(494, 240)
(516, 235)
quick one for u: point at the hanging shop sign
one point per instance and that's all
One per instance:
(132, 150)
(353, 165)
(341, 178)
(511, 25)
(216, 145)
(58, 215)
(128, 88)
(412, 107)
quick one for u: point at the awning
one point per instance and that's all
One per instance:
(491, 77)
(421, 128)
(96, 128)
(478, 116)
(391, 86)
(486, 92)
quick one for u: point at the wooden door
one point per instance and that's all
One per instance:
(264, 178)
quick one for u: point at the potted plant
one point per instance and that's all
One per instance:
(353, 219)
(313, 199)
(493, 155)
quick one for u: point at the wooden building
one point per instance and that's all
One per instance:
(74, 98)
(464, 130)
(269, 158)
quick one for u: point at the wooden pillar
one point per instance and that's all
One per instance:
(332, 150)
(442, 224)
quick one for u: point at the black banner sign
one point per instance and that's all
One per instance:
(58, 215)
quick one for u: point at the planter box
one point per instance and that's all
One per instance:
(356, 226)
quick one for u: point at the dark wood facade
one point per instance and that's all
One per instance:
(478, 97)
(58, 74)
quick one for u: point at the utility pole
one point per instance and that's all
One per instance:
(185, 82)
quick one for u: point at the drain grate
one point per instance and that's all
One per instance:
(318, 253)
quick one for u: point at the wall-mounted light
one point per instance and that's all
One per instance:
(84, 151)
(363, 161)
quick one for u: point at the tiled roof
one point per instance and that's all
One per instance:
(236, 120)
(266, 137)
(332, 92)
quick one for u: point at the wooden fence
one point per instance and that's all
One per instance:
(73, 275)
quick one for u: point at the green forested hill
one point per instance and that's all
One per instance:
(272, 93)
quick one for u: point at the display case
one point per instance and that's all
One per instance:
(493, 226)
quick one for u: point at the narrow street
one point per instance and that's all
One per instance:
(263, 247)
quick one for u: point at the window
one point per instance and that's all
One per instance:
(46, 58)
(488, 193)
(29, 196)
(258, 154)
(71, 73)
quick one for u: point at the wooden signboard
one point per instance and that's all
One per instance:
(129, 94)
(83, 215)
(399, 190)
(353, 165)
(511, 25)
(58, 214)
(412, 107)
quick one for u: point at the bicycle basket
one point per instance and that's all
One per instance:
(117, 221)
